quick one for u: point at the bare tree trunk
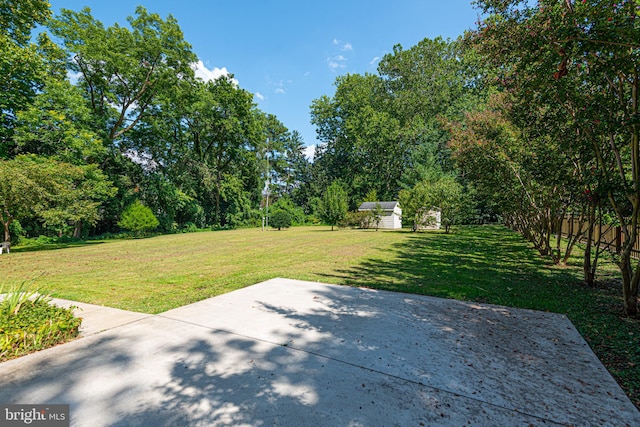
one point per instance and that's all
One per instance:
(77, 230)
(630, 277)
(7, 235)
(558, 249)
(544, 235)
(6, 218)
(217, 199)
(555, 227)
(586, 264)
(629, 284)
(573, 236)
(587, 267)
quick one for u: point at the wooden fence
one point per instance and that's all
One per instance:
(612, 236)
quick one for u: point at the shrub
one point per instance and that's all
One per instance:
(313, 220)
(296, 213)
(29, 323)
(17, 232)
(189, 227)
(45, 240)
(356, 220)
(280, 220)
(138, 218)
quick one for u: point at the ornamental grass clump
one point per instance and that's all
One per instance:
(28, 323)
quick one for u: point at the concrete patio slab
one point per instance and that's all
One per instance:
(286, 352)
(98, 318)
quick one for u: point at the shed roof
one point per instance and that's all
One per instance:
(386, 206)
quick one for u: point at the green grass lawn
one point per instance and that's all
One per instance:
(485, 264)
(156, 274)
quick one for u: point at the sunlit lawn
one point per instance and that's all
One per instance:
(156, 274)
(486, 264)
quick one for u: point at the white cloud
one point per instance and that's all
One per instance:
(309, 152)
(337, 62)
(279, 87)
(74, 77)
(259, 96)
(374, 61)
(207, 75)
(342, 45)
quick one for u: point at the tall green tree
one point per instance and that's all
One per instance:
(334, 204)
(208, 139)
(20, 193)
(75, 198)
(19, 17)
(296, 170)
(272, 154)
(24, 65)
(58, 124)
(383, 131)
(583, 57)
(224, 130)
(360, 138)
(123, 70)
(433, 79)
(54, 192)
(426, 80)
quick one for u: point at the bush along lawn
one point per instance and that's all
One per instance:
(28, 323)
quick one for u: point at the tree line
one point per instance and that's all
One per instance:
(528, 118)
(559, 134)
(95, 118)
(383, 133)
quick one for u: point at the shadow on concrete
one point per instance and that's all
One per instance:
(299, 353)
(59, 374)
(341, 362)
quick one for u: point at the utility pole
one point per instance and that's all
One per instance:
(268, 187)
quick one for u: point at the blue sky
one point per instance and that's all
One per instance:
(290, 52)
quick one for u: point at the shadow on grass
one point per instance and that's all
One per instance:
(327, 228)
(54, 246)
(33, 245)
(495, 265)
(485, 264)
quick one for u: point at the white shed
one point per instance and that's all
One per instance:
(391, 213)
(428, 219)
